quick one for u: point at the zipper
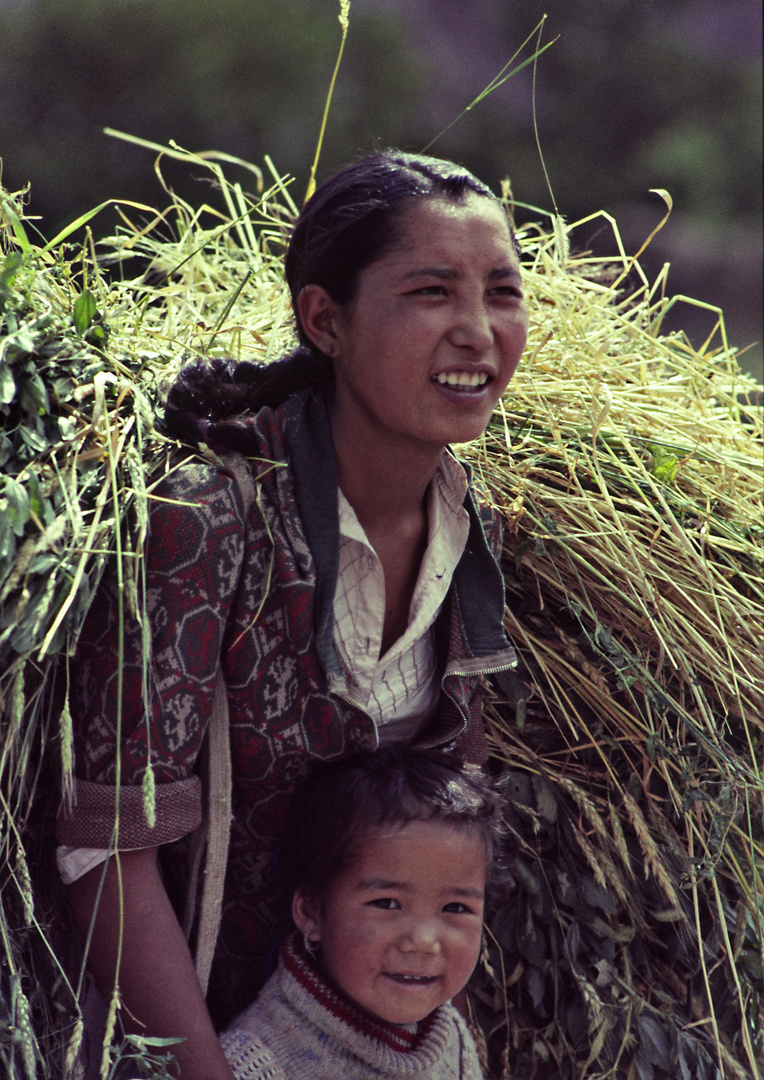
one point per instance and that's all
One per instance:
(490, 670)
(349, 701)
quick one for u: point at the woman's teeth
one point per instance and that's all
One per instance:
(462, 378)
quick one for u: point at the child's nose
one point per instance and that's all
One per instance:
(421, 936)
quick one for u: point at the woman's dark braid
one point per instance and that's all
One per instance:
(208, 394)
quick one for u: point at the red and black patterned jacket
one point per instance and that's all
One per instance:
(253, 591)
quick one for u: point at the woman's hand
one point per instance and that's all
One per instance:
(159, 990)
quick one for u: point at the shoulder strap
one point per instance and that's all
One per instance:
(218, 831)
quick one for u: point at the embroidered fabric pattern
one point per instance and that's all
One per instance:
(245, 589)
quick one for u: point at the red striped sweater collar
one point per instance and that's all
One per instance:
(301, 966)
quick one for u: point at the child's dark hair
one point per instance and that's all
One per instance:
(339, 801)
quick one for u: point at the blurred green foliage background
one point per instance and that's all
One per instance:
(635, 94)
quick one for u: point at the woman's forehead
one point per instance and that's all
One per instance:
(439, 223)
(418, 213)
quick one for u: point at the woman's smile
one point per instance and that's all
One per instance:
(434, 333)
(462, 380)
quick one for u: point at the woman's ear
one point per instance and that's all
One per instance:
(318, 314)
(306, 912)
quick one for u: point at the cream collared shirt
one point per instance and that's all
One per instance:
(400, 689)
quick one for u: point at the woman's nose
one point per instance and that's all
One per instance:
(472, 328)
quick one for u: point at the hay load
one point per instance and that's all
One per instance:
(629, 468)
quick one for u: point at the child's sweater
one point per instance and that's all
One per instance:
(300, 1028)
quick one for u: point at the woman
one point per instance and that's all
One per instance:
(354, 603)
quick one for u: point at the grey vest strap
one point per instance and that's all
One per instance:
(215, 831)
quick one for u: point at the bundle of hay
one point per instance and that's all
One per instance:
(630, 470)
(628, 466)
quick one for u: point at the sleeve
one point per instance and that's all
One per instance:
(249, 1058)
(155, 711)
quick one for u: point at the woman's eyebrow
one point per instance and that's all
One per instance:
(442, 272)
(504, 272)
(446, 273)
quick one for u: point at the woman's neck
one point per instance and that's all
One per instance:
(386, 485)
(387, 488)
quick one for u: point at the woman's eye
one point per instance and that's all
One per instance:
(385, 902)
(430, 290)
(508, 290)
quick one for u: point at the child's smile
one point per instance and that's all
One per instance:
(401, 926)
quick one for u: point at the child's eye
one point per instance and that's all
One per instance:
(508, 290)
(457, 908)
(385, 902)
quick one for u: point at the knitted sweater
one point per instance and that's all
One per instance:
(300, 1028)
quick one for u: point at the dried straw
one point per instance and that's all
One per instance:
(630, 470)
(628, 466)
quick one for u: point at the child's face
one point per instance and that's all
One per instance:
(400, 928)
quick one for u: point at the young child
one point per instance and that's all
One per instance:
(386, 856)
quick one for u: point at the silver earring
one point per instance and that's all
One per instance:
(310, 946)
(329, 350)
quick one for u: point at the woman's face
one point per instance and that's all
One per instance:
(435, 331)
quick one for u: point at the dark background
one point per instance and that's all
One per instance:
(635, 94)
